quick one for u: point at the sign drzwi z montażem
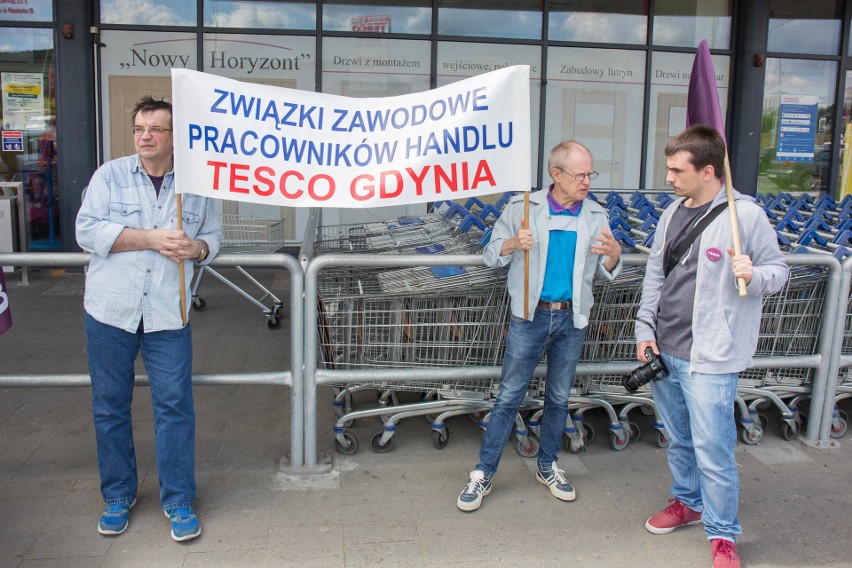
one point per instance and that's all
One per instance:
(278, 146)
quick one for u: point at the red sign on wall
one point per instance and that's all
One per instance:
(371, 24)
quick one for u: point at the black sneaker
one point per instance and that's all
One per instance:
(555, 479)
(471, 497)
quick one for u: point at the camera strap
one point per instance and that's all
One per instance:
(676, 254)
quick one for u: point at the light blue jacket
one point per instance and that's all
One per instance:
(123, 287)
(724, 326)
(592, 219)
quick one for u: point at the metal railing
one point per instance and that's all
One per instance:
(290, 378)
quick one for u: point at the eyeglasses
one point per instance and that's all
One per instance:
(153, 130)
(580, 177)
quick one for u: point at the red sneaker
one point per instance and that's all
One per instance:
(725, 554)
(675, 515)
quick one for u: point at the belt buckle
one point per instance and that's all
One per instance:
(555, 305)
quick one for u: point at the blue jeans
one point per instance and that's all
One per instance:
(698, 411)
(553, 332)
(168, 360)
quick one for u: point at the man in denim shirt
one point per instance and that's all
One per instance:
(569, 243)
(128, 221)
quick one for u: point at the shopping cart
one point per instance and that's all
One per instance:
(247, 235)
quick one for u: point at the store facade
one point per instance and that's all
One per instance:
(612, 74)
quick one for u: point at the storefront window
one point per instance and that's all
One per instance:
(29, 151)
(598, 21)
(804, 27)
(412, 17)
(367, 68)
(684, 23)
(260, 14)
(798, 121)
(667, 107)
(149, 12)
(27, 11)
(136, 64)
(490, 18)
(845, 170)
(279, 61)
(595, 97)
(457, 61)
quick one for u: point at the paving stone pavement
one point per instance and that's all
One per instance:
(393, 509)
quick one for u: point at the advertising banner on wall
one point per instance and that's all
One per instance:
(287, 147)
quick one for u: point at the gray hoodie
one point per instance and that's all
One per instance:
(724, 326)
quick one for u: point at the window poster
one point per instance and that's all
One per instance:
(23, 98)
(797, 128)
(457, 61)
(667, 113)
(595, 96)
(26, 10)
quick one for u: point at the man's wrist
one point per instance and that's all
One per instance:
(204, 252)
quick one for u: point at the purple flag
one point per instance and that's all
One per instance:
(5, 312)
(702, 100)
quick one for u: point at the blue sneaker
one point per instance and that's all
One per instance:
(185, 525)
(115, 519)
(471, 496)
(554, 478)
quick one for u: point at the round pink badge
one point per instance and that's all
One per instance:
(714, 254)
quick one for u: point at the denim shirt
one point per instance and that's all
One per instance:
(124, 287)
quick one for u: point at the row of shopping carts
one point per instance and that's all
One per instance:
(457, 317)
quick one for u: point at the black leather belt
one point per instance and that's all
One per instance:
(555, 305)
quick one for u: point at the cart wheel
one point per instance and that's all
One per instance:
(530, 450)
(802, 420)
(572, 446)
(619, 441)
(762, 420)
(838, 427)
(843, 415)
(788, 432)
(752, 439)
(440, 438)
(588, 432)
(635, 431)
(647, 409)
(349, 449)
(476, 417)
(272, 322)
(198, 304)
(375, 441)
(662, 441)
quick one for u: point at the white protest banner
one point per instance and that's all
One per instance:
(277, 146)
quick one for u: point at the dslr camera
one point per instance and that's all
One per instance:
(651, 371)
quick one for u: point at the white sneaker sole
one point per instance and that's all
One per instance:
(468, 507)
(558, 494)
(656, 530)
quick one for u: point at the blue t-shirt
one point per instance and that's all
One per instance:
(561, 249)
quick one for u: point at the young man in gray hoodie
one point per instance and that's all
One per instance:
(692, 316)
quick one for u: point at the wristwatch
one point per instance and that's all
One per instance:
(205, 251)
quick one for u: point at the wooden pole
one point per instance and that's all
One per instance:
(525, 225)
(735, 225)
(180, 264)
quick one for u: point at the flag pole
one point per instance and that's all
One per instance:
(180, 264)
(735, 225)
(525, 225)
(702, 107)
